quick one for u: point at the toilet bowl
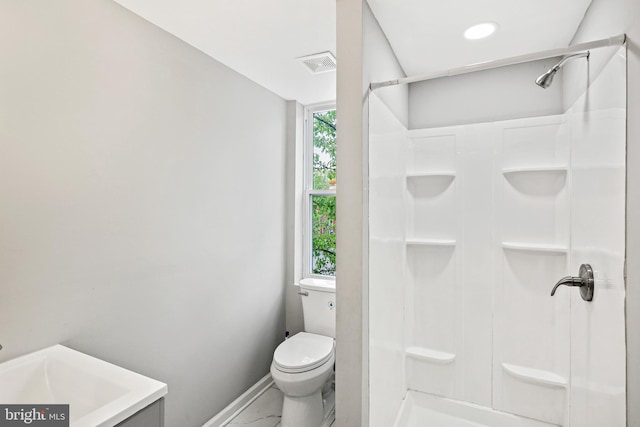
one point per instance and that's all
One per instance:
(303, 364)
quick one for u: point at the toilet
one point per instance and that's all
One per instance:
(302, 365)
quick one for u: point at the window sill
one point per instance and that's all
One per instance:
(319, 284)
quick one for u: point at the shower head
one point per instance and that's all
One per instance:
(545, 80)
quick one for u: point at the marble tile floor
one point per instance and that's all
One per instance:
(265, 411)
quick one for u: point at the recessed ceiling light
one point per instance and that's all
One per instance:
(480, 31)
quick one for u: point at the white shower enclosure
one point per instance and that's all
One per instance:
(470, 227)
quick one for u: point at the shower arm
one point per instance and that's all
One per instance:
(572, 56)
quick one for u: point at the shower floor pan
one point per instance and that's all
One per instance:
(420, 410)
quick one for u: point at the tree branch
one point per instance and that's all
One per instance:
(325, 251)
(331, 125)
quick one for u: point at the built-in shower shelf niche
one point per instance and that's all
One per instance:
(428, 355)
(418, 243)
(429, 184)
(450, 175)
(535, 376)
(430, 371)
(535, 248)
(537, 180)
(549, 170)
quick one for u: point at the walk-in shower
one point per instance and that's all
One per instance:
(472, 221)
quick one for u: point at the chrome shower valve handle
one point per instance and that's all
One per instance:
(584, 281)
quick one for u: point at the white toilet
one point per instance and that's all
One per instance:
(303, 364)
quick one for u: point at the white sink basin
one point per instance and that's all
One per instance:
(99, 393)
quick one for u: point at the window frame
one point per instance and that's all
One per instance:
(309, 192)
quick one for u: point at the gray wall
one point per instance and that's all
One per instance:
(606, 18)
(380, 64)
(142, 202)
(500, 94)
(295, 203)
(365, 56)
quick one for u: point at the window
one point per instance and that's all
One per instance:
(320, 194)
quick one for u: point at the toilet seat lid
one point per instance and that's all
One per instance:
(303, 352)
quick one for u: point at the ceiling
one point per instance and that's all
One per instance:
(262, 39)
(427, 35)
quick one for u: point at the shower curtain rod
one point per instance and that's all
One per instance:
(487, 65)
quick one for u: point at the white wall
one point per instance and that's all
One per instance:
(387, 141)
(597, 125)
(500, 94)
(142, 202)
(364, 56)
(606, 18)
(470, 290)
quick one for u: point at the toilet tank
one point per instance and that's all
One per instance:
(319, 306)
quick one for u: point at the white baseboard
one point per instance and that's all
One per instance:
(223, 417)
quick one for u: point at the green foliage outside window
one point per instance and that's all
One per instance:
(324, 149)
(323, 249)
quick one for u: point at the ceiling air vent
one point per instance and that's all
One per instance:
(320, 62)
